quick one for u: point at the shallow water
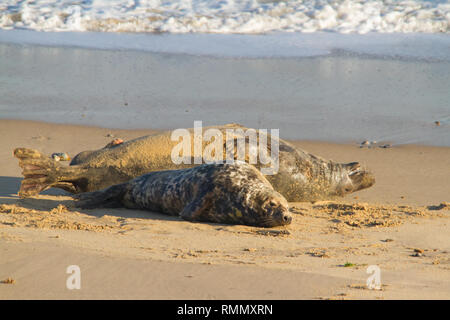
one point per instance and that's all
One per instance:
(341, 97)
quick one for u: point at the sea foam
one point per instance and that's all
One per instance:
(227, 16)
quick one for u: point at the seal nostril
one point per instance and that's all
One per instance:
(287, 219)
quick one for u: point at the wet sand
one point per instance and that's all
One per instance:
(341, 97)
(401, 224)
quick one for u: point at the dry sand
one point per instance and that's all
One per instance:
(401, 224)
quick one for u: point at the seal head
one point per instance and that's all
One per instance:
(275, 211)
(348, 178)
(236, 194)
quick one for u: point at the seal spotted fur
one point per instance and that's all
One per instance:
(222, 193)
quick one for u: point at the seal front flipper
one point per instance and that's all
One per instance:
(40, 173)
(195, 211)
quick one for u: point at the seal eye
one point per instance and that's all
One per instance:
(272, 203)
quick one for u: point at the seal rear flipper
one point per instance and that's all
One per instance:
(108, 198)
(40, 173)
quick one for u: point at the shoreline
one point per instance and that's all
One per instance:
(150, 130)
(146, 131)
(276, 45)
(328, 98)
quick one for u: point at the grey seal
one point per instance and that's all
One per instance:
(222, 193)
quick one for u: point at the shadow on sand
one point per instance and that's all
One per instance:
(9, 187)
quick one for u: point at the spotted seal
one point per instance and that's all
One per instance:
(223, 193)
(301, 176)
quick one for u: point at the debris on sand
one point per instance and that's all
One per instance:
(443, 205)
(319, 253)
(8, 281)
(365, 143)
(374, 144)
(273, 233)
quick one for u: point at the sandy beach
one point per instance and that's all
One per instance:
(401, 225)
